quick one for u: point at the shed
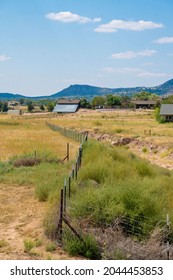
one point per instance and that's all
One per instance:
(144, 104)
(66, 106)
(166, 112)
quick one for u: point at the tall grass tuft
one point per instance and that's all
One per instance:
(113, 184)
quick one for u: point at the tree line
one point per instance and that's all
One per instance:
(113, 101)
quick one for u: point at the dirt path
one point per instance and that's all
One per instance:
(20, 220)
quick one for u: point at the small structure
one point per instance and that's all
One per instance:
(144, 104)
(166, 112)
(14, 112)
(66, 106)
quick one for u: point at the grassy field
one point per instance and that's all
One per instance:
(104, 190)
(25, 188)
(127, 123)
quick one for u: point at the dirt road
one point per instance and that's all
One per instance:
(21, 219)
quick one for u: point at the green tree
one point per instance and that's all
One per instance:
(168, 100)
(1, 105)
(144, 95)
(98, 101)
(22, 101)
(113, 100)
(30, 106)
(84, 103)
(5, 107)
(50, 106)
(42, 107)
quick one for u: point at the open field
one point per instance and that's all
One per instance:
(22, 234)
(23, 136)
(22, 204)
(151, 140)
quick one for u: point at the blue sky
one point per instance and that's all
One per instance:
(47, 45)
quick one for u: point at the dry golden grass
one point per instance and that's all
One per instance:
(126, 123)
(19, 136)
(21, 213)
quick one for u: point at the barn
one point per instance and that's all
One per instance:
(67, 106)
(144, 104)
(166, 112)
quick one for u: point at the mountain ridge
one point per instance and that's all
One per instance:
(88, 91)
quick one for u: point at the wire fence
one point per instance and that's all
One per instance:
(75, 135)
(126, 236)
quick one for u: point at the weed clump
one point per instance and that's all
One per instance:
(86, 247)
(26, 162)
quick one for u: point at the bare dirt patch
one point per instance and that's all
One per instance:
(21, 219)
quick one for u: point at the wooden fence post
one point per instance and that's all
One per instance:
(59, 228)
(168, 230)
(68, 152)
(69, 186)
(76, 170)
(73, 172)
(65, 194)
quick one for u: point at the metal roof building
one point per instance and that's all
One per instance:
(144, 103)
(166, 112)
(66, 106)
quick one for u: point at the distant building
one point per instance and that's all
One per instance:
(166, 112)
(66, 106)
(144, 104)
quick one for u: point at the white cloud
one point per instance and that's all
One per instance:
(137, 72)
(121, 70)
(132, 54)
(164, 40)
(140, 25)
(68, 17)
(154, 74)
(4, 57)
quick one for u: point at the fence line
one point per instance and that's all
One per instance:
(75, 135)
(66, 190)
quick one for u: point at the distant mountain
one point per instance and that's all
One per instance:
(9, 96)
(82, 91)
(91, 91)
(86, 91)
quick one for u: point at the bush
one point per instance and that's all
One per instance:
(86, 247)
(28, 245)
(51, 247)
(26, 162)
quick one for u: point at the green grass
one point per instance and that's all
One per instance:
(114, 183)
(28, 245)
(45, 172)
(86, 247)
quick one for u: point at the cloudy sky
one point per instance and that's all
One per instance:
(47, 45)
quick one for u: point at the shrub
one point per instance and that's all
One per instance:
(86, 247)
(50, 247)
(28, 245)
(26, 162)
(3, 243)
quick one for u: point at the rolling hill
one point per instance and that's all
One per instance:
(87, 91)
